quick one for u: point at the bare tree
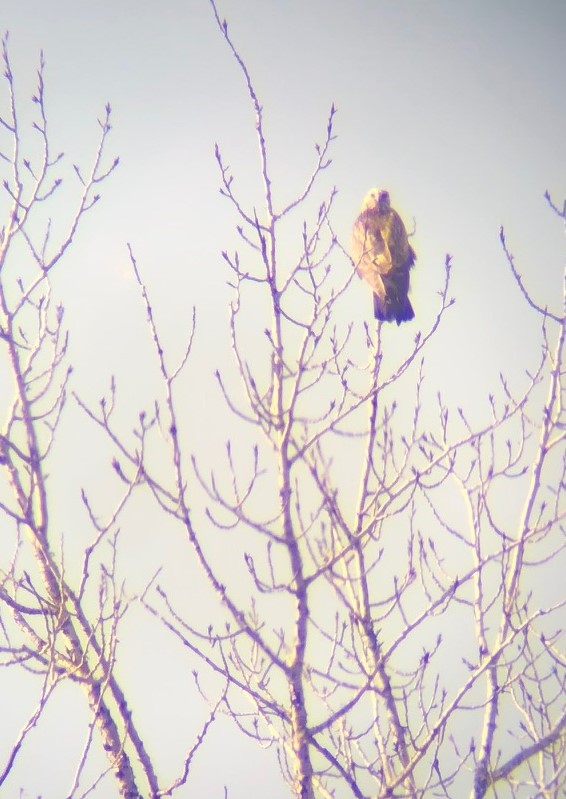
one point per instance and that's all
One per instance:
(336, 652)
(51, 628)
(386, 625)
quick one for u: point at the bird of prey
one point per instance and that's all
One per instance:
(383, 257)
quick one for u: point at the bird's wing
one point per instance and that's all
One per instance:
(373, 241)
(402, 254)
(369, 250)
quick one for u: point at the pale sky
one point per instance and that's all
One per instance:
(456, 107)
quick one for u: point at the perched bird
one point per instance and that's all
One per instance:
(383, 257)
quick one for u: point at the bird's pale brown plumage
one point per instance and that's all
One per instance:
(384, 257)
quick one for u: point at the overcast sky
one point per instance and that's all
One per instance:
(456, 107)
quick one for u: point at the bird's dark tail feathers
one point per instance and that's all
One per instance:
(394, 312)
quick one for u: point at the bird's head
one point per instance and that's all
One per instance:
(377, 199)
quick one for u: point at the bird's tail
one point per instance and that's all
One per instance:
(406, 313)
(393, 312)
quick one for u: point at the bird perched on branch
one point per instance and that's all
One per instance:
(383, 257)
